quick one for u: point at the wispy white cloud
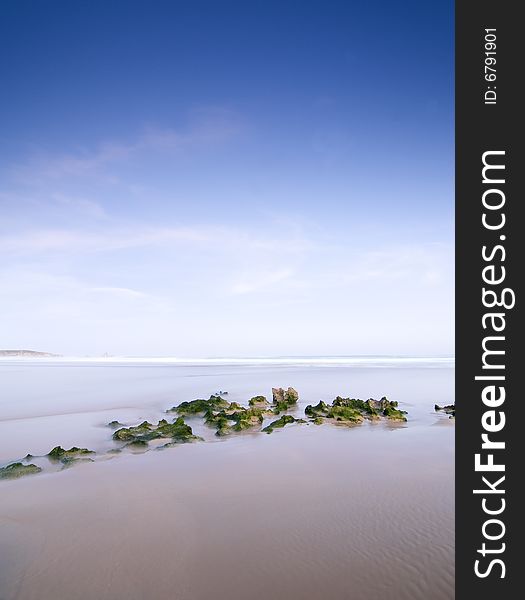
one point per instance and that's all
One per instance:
(34, 242)
(261, 281)
(84, 206)
(118, 291)
(209, 128)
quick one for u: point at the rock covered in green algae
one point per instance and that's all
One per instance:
(139, 435)
(284, 399)
(115, 424)
(70, 457)
(449, 409)
(259, 401)
(345, 414)
(194, 407)
(234, 417)
(352, 411)
(394, 414)
(222, 424)
(281, 422)
(289, 396)
(144, 431)
(18, 469)
(178, 431)
(247, 418)
(319, 410)
(58, 453)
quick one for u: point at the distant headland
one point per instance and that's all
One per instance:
(27, 353)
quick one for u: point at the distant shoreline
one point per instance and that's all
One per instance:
(27, 354)
(319, 361)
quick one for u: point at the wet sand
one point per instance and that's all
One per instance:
(307, 512)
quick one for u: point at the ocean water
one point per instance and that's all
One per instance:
(308, 512)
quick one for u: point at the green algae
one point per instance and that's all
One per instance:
(144, 431)
(195, 407)
(320, 409)
(228, 418)
(352, 411)
(281, 422)
(259, 401)
(234, 418)
(178, 431)
(17, 470)
(59, 453)
(394, 414)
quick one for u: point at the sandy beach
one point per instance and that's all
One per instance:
(361, 513)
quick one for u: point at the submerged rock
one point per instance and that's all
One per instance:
(70, 461)
(115, 424)
(18, 469)
(449, 409)
(281, 422)
(137, 444)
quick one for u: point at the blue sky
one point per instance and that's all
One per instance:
(226, 178)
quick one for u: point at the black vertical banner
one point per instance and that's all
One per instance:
(489, 252)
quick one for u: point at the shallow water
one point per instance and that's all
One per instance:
(308, 512)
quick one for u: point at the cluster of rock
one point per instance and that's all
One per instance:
(449, 409)
(71, 456)
(226, 418)
(57, 455)
(178, 432)
(352, 411)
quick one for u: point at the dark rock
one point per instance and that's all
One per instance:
(449, 409)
